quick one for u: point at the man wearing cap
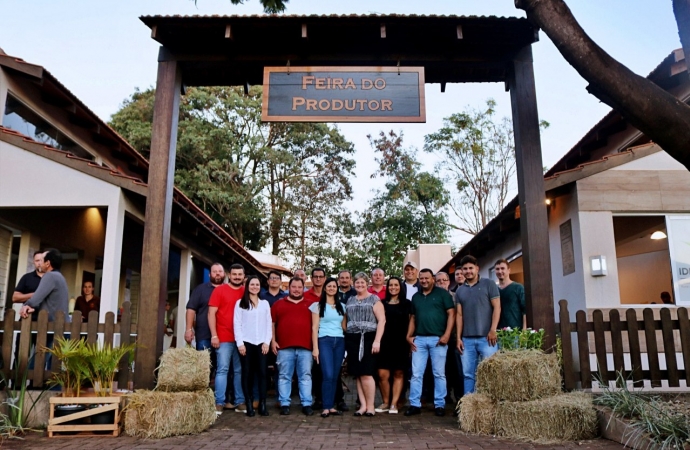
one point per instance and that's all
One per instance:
(410, 272)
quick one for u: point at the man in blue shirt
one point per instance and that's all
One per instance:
(273, 293)
(478, 309)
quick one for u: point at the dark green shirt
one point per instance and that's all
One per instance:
(431, 311)
(512, 305)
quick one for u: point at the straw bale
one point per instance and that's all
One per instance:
(184, 369)
(564, 417)
(156, 415)
(519, 375)
(477, 414)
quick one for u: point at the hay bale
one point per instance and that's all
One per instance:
(564, 417)
(156, 415)
(477, 414)
(519, 375)
(184, 369)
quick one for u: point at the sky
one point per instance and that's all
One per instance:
(101, 51)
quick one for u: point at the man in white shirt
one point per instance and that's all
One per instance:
(410, 272)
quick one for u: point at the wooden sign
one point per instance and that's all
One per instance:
(343, 94)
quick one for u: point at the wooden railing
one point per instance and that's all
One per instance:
(667, 336)
(16, 359)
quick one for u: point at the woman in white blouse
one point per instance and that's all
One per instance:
(252, 323)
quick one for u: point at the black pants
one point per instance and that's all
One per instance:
(254, 365)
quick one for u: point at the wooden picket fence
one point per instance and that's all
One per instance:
(18, 362)
(667, 336)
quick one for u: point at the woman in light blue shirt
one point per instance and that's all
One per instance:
(329, 342)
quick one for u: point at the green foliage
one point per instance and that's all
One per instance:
(408, 212)
(103, 362)
(519, 339)
(477, 157)
(648, 414)
(75, 369)
(13, 424)
(280, 184)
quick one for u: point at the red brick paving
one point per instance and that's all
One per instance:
(234, 430)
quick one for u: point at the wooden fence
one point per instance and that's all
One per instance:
(16, 359)
(667, 336)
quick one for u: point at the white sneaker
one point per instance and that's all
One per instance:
(382, 408)
(393, 410)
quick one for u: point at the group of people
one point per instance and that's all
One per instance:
(388, 329)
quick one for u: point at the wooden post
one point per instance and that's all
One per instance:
(533, 218)
(154, 262)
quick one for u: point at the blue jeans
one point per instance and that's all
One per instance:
(427, 346)
(290, 359)
(331, 352)
(226, 353)
(476, 349)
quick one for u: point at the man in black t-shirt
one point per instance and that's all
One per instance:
(28, 283)
(196, 324)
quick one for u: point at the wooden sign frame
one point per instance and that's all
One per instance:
(352, 119)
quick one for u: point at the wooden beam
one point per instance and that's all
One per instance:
(154, 31)
(383, 31)
(459, 31)
(443, 86)
(228, 32)
(154, 262)
(304, 31)
(533, 217)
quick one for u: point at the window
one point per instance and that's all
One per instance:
(20, 118)
(644, 264)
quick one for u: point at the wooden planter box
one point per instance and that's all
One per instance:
(57, 427)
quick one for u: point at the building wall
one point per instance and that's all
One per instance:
(570, 287)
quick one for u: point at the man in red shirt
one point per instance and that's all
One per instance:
(221, 310)
(318, 278)
(378, 283)
(292, 343)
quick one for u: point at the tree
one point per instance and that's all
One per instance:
(251, 177)
(659, 115)
(408, 212)
(477, 154)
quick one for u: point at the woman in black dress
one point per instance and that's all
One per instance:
(395, 352)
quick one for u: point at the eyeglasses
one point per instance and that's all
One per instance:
(318, 276)
(274, 278)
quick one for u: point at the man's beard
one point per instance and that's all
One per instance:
(217, 281)
(237, 285)
(296, 298)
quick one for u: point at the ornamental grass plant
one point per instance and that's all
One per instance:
(648, 414)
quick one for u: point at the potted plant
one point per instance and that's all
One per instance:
(103, 362)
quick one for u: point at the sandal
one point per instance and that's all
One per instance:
(369, 414)
(325, 414)
(335, 412)
(382, 408)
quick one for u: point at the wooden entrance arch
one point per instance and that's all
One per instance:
(233, 50)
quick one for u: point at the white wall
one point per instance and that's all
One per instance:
(596, 230)
(509, 247)
(569, 287)
(643, 277)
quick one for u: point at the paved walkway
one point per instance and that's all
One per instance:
(234, 430)
(299, 432)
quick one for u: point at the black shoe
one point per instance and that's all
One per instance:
(413, 411)
(262, 408)
(307, 411)
(250, 408)
(440, 412)
(342, 406)
(284, 410)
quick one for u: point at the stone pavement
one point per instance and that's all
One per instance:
(235, 430)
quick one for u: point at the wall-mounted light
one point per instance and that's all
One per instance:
(658, 235)
(548, 202)
(598, 265)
